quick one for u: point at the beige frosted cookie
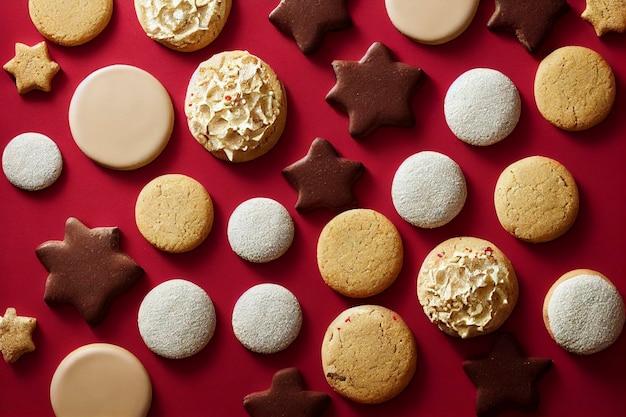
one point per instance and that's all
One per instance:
(536, 199)
(359, 253)
(369, 354)
(174, 213)
(70, 22)
(574, 88)
(236, 106)
(467, 287)
(583, 312)
(184, 25)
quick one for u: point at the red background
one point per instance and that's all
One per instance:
(213, 382)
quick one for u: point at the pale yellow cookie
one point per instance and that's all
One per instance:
(32, 68)
(16, 335)
(606, 15)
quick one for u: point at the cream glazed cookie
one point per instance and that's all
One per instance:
(583, 312)
(236, 106)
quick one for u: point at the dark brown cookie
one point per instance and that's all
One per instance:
(375, 91)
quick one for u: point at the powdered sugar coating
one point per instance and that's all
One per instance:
(32, 161)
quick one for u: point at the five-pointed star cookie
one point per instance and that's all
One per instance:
(287, 396)
(32, 68)
(308, 21)
(530, 21)
(505, 378)
(323, 178)
(606, 15)
(87, 269)
(375, 91)
(16, 335)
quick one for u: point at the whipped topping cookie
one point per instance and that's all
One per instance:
(467, 287)
(236, 106)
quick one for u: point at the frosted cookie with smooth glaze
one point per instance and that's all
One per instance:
(467, 287)
(32, 161)
(583, 312)
(236, 106)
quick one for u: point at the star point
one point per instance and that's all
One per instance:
(605, 16)
(32, 68)
(16, 335)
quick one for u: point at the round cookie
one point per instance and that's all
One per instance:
(70, 22)
(574, 88)
(260, 230)
(100, 379)
(369, 354)
(583, 312)
(359, 253)
(174, 213)
(121, 117)
(267, 318)
(482, 106)
(236, 106)
(32, 161)
(184, 26)
(176, 319)
(431, 22)
(536, 199)
(467, 287)
(428, 189)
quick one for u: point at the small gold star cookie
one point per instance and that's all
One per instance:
(16, 335)
(606, 15)
(32, 67)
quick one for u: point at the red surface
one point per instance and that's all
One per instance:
(213, 382)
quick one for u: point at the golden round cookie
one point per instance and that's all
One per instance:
(236, 106)
(359, 253)
(369, 354)
(70, 22)
(574, 88)
(187, 26)
(174, 213)
(467, 287)
(536, 199)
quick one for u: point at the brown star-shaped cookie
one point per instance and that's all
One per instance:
(606, 15)
(323, 179)
(32, 68)
(531, 21)
(375, 91)
(87, 269)
(307, 22)
(505, 378)
(16, 335)
(287, 396)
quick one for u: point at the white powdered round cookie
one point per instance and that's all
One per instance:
(32, 161)
(260, 230)
(428, 189)
(482, 106)
(176, 319)
(267, 318)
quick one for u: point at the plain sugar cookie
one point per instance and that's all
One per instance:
(32, 161)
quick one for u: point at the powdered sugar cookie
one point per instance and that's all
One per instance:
(32, 161)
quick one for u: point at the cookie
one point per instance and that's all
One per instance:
(431, 22)
(32, 161)
(308, 25)
(70, 22)
(369, 354)
(375, 91)
(32, 68)
(176, 319)
(467, 287)
(267, 318)
(605, 16)
(260, 230)
(236, 106)
(121, 117)
(16, 335)
(574, 88)
(359, 253)
(482, 106)
(324, 179)
(184, 26)
(87, 269)
(174, 213)
(583, 312)
(536, 199)
(428, 189)
(100, 379)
